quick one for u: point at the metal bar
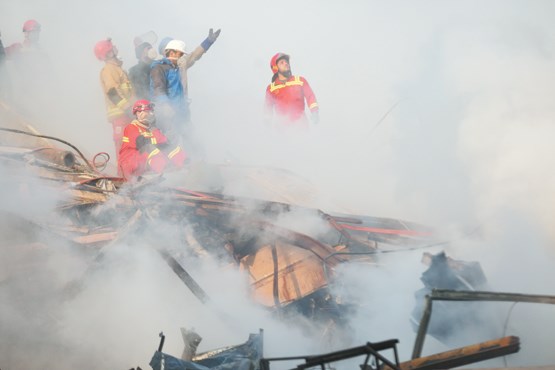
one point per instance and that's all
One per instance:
(455, 295)
(422, 328)
(369, 349)
(193, 286)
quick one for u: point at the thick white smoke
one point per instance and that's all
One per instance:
(435, 112)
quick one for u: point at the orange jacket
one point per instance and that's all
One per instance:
(287, 99)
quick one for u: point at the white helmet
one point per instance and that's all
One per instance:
(177, 45)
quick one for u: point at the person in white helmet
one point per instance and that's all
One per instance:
(168, 83)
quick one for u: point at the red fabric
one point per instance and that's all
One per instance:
(179, 158)
(287, 99)
(118, 125)
(157, 162)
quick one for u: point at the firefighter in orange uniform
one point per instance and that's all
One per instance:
(144, 148)
(286, 95)
(116, 87)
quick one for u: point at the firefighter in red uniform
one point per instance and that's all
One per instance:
(144, 148)
(286, 95)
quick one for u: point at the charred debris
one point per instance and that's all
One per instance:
(291, 268)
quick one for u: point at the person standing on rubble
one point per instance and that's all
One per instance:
(286, 96)
(31, 72)
(139, 74)
(30, 44)
(168, 84)
(116, 88)
(144, 147)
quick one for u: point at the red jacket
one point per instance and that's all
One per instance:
(155, 155)
(287, 99)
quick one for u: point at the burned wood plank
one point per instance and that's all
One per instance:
(96, 238)
(464, 355)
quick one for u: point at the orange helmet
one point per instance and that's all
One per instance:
(102, 48)
(31, 25)
(142, 105)
(275, 59)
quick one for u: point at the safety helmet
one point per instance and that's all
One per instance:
(102, 48)
(142, 105)
(275, 59)
(163, 43)
(140, 48)
(31, 25)
(177, 45)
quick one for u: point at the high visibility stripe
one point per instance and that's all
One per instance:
(125, 139)
(115, 112)
(295, 82)
(153, 140)
(313, 105)
(174, 152)
(153, 153)
(122, 103)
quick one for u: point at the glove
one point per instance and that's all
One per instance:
(141, 142)
(213, 36)
(315, 117)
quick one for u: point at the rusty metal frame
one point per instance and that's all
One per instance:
(456, 295)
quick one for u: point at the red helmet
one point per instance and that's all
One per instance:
(275, 59)
(142, 105)
(31, 25)
(102, 48)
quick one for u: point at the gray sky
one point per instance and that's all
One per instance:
(468, 88)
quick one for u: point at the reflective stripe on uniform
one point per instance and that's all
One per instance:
(174, 152)
(153, 153)
(295, 82)
(313, 105)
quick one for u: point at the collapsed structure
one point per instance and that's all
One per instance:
(290, 267)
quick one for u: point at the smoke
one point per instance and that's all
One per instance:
(431, 112)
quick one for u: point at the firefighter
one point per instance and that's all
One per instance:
(286, 95)
(168, 82)
(145, 148)
(31, 73)
(116, 88)
(139, 74)
(31, 36)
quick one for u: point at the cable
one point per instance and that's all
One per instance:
(51, 138)
(505, 328)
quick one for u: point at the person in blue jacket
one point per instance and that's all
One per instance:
(168, 84)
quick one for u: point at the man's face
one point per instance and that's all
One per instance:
(174, 55)
(33, 36)
(146, 117)
(148, 55)
(283, 65)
